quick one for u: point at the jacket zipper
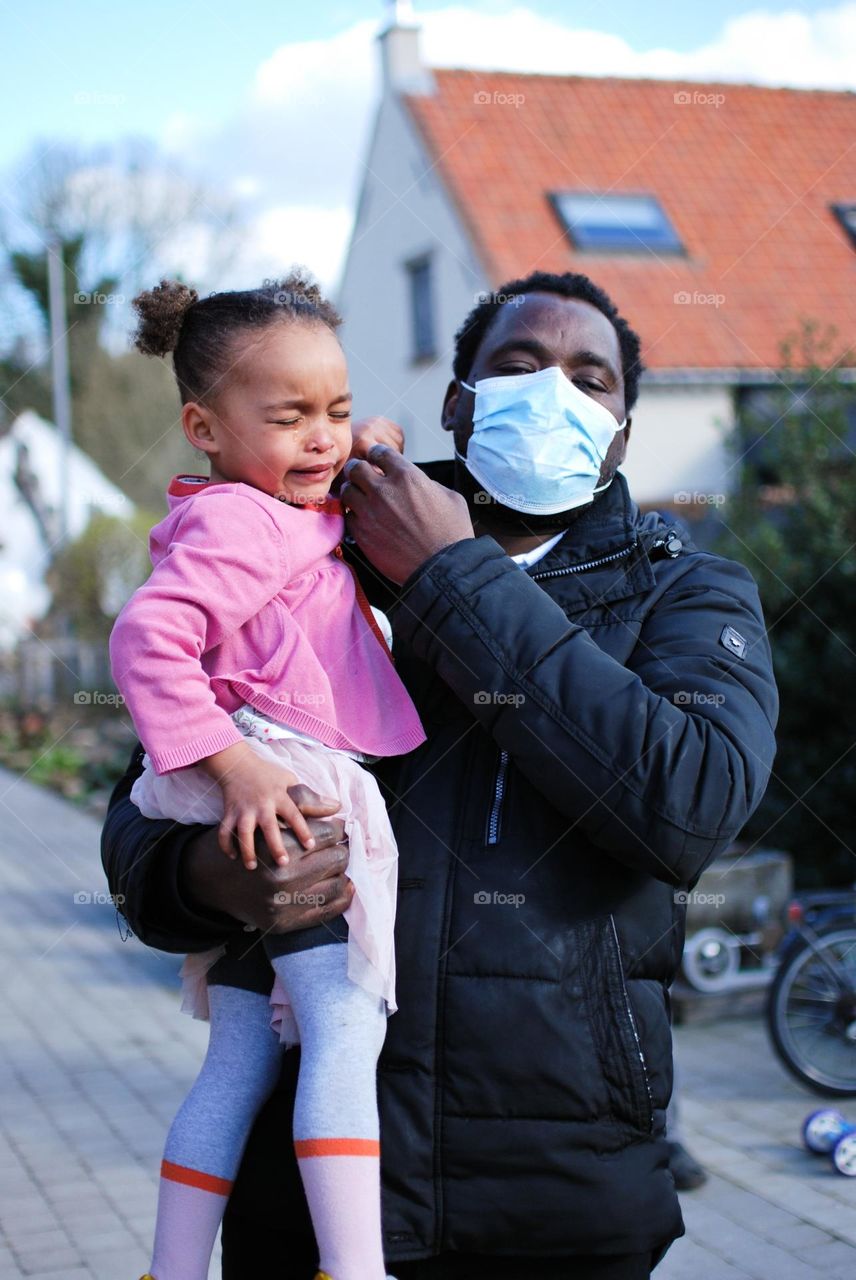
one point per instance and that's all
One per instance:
(494, 817)
(632, 1020)
(585, 564)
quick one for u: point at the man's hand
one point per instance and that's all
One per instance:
(370, 431)
(398, 516)
(310, 889)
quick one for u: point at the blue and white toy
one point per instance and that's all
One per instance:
(828, 1133)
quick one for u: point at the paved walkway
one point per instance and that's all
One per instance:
(96, 1058)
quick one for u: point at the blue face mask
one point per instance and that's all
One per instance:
(538, 442)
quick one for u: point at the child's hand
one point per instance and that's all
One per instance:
(369, 431)
(255, 794)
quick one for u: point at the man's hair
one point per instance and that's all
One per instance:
(469, 337)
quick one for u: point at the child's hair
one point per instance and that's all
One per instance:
(200, 331)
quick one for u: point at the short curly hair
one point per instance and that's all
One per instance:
(571, 284)
(200, 331)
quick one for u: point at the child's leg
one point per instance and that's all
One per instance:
(204, 1146)
(336, 1133)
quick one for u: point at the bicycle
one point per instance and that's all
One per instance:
(811, 1008)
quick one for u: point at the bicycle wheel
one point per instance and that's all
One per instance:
(812, 1013)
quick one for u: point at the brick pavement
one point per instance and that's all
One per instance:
(96, 1058)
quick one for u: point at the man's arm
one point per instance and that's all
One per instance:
(661, 762)
(179, 892)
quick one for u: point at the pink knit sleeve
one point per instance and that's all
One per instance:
(225, 561)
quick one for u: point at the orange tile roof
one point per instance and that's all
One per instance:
(746, 183)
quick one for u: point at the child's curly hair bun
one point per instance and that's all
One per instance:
(162, 311)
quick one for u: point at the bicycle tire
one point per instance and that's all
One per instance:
(781, 1031)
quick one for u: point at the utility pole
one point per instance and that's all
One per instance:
(59, 377)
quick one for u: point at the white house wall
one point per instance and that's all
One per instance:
(676, 452)
(404, 212)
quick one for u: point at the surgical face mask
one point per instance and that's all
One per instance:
(538, 442)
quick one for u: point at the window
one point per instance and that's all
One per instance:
(846, 215)
(421, 308)
(623, 223)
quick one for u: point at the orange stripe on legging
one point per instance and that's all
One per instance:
(337, 1147)
(193, 1178)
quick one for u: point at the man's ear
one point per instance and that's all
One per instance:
(626, 434)
(196, 422)
(450, 405)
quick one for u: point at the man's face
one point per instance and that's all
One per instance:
(539, 331)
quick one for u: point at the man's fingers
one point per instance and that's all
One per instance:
(387, 458)
(311, 804)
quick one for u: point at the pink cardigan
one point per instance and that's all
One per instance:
(250, 601)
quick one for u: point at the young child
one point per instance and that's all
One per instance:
(250, 661)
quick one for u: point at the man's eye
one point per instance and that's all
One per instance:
(341, 417)
(589, 385)
(286, 422)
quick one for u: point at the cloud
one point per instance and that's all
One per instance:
(292, 156)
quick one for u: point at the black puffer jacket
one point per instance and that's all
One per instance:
(599, 728)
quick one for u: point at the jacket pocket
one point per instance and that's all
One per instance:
(614, 1028)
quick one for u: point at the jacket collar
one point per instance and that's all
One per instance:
(608, 528)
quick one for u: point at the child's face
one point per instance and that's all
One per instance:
(282, 421)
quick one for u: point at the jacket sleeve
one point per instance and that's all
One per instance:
(659, 762)
(142, 861)
(225, 562)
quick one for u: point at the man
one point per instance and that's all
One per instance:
(600, 706)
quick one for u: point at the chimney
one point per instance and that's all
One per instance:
(403, 71)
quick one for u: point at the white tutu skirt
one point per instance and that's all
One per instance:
(190, 796)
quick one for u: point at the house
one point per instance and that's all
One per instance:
(34, 471)
(719, 217)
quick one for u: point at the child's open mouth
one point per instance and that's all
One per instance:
(323, 471)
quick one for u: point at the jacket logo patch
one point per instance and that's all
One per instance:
(733, 642)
